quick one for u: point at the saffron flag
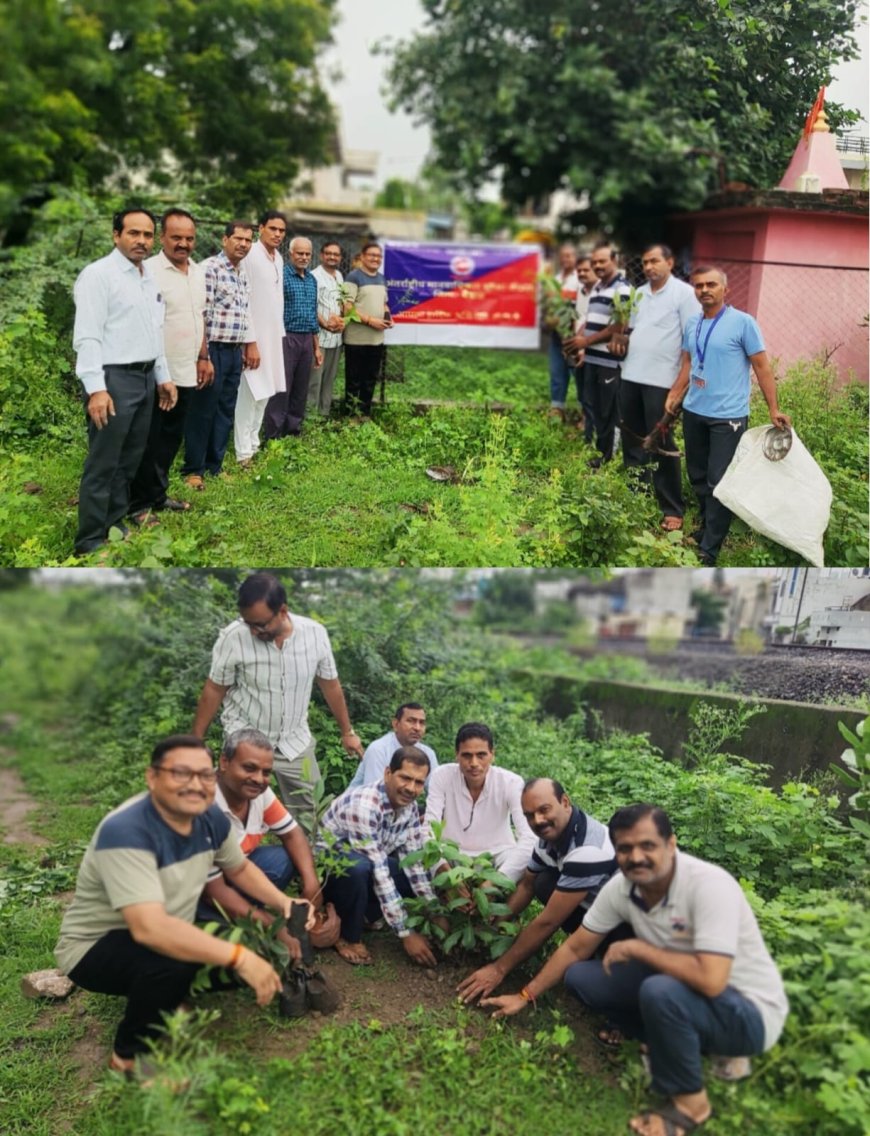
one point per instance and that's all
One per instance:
(463, 295)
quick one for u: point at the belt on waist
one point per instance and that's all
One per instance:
(146, 367)
(220, 343)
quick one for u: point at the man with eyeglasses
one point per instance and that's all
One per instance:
(478, 803)
(264, 666)
(366, 291)
(129, 930)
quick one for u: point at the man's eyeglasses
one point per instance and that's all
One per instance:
(260, 626)
(181, 775)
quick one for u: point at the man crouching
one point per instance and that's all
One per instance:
(129, 929)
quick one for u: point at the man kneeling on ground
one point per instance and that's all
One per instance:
(571, 862)
(375, 826)
(696, 980)
(244, 797)
(129, 929)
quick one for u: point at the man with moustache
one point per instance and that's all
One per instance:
(118, 340)
(285, 411)
(244, 797)
(559, 367)
(479, 803)
(409, 728)
(696, 978)
(129, 929)
(264, 666)
(648, 372)
(572, 861)
(231, 335)
(182, 284)
(264, 268)
(719, 346)
(329, 316)
(601, 367)
(374, 827)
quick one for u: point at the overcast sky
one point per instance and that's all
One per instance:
(368, 125)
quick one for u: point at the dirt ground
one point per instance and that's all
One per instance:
(17, 807)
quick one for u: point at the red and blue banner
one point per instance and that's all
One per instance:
(463, 295)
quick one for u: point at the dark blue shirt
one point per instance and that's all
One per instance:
(300, 301)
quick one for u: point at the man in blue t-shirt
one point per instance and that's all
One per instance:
(713, 384)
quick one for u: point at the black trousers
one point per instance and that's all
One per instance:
(153, 984)
(114, 454)
(285, 411)
(710, 445)
(640, 408)
(602, 391)
(165, 436)
(362, 365)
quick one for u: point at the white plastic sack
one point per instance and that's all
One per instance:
(787, 500)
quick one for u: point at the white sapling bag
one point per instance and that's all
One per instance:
(785, 497)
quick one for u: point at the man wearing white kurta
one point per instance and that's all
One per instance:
(477, 801)
(265, 268)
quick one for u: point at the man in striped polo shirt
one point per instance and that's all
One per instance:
(264, 665)
(243, 796)
(572, 860)
(601, 368)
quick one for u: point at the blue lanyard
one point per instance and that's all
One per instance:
(702, 351)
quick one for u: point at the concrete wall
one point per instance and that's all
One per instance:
(794, 738)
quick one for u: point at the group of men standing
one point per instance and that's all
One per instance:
(661, 944)
(172, 351)
(684, 347)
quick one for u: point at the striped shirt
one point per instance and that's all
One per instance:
(583, 856)
(265, 814)
(300, 301)
(328, 303)
(270, 686)
(135, 857)
(228, 302)
(599, 314)
(365, 821)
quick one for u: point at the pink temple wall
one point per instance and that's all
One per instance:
(803, 311)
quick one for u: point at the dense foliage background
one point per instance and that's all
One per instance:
(94, 675)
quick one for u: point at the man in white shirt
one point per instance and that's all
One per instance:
(651, 365)
(478, 802)
(329, 316)
(118, 340)
(264, 267)
(409, 726)
(697, 978)
(182, 285)
(264, 665)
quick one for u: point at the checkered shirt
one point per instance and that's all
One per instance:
(228, 302)
(300, 302)
(365, 821)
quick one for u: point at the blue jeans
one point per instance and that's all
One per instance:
(273, 862)
(560, 372)
(354, 895)
(211, 412)
(677, 1023)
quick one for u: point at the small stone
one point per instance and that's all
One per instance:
(46, 984)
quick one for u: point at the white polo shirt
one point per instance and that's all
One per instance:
(657, 328)
(704, 910)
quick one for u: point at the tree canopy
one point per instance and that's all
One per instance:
(223, 94)
(631, 102)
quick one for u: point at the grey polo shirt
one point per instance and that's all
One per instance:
(657, 328)
(704, 910)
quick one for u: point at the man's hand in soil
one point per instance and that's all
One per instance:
(417, 947)
(480, 984)
(260, 976)
(506, 1005)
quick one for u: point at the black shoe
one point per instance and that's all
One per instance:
(707, 559)
(595, 463)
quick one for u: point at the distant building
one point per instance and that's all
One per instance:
(825, 607)
(646, 603)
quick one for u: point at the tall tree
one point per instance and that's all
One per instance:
(224, 93)
(630, 101)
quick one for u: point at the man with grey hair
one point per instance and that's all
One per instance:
(719, 347)
(285, 411)
(244, 797)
